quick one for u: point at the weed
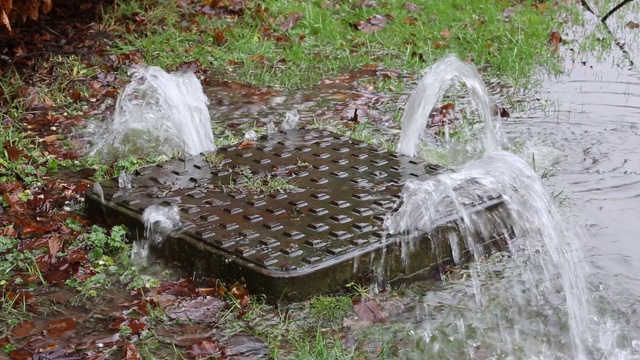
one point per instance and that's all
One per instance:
(329, 309)
(214, 160)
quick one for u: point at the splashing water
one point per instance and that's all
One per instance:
(531, 302)
(124, 181)
(436, 80)
(158, 221)
(156, 114)
(291, 120)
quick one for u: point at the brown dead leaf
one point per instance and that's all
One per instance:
(58, 327)
(129, 352)
(23, 329)
(206, 350)
(51, 138)
(76, 95)
(411, 7)
(219, 38)
(440, 44)
(633, 25)
(30, 96)
(46, 6)
(373, 24)
(197, 310)
(410, 20)
(4, 19)
(246, 144)
(239, 291)
(291, 21)
(369, 311)
(501, 111)
(55, 244)
(554, 40)
(445, 33)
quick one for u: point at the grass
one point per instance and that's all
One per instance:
(260, 183)
(324, 42)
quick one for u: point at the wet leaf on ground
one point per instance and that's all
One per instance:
(633, 25)
(291, 21)
(411, 7)
(183, 287)
(197, 310)
(129, 352)
(23, 329)
(554, 40)
(57, 328)
(205, 349)
(372, 24)
(368, 311)
(246, 144)
(239, 291)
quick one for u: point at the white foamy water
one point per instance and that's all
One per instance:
(158, 221)
(158, 113)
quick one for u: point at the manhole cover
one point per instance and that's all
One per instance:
(292, 215)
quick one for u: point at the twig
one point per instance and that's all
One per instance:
(616, 8)
(587, 7)
(603, 20)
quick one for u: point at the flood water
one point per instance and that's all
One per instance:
(582, 131)
(594, 121)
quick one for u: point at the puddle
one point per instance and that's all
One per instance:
(595, 123)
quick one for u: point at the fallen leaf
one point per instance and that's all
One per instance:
(239, 291)
(51, 138)
(58, 327)
(205, 349)
(411, 7)
(246, 144)
(4, 19)
(445, 33)
(440, 44)
(191, 66)
(633, 25)
(21, 354)
(410, 20)
(55, 244)
(199, 310)
(23, 329)
(129, 352)
(369, 311)
(501, 111)
(219, 38)
(554, 40)
(46, 6)
(508, 13)
(373, 24)
(291, 21)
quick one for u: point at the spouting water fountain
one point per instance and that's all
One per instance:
(157, 113)
(294, 213)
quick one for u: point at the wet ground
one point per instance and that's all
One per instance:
(588, 130)
(582, 126)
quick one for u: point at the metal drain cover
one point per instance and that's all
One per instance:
(293, 215)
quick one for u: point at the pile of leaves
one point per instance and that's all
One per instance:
(10, 11)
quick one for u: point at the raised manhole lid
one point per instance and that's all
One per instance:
(284, 206)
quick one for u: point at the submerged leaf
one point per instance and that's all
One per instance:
(205, 349)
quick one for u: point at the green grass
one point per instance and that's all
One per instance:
(324, 43)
